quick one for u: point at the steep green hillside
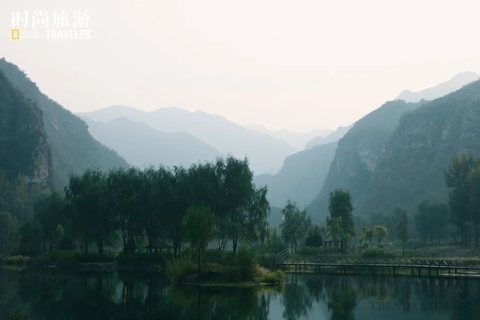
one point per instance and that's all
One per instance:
(422, 146)
(357, 154)
(72, 147)
(301, 177)
(141, 145)
(23, 142)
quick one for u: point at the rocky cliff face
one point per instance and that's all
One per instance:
(357, 155)
(23, 142)
(73, 149)
(411, 168)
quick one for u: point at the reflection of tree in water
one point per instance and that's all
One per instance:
(224, 303)
(108, 296)
(9, 286)
(314, 286)
(55, 296)
(342, 295)
(296, 299)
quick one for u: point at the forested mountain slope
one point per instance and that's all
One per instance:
(357, 154)
(23, 141)
(72, 147)
(421, 148)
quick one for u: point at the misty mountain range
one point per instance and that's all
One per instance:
(287, 170)
(265, 153)
(296, 139)
(394, 154)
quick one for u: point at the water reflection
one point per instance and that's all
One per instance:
(54, 295)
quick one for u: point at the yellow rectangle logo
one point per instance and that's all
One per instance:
(15, 34)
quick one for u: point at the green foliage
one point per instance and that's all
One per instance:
(50, 211)
(199, 229)
(295, 224)
(310, 251)
(432, 220)
(246, 263)
(18, 197)
(264, 276)
(179, 269)
(378, 253)
(274, 242)
(340, 221)
(380, 233)
(314, 237)
(15, 260)
(9, 233)
(199, 226)
(403, 228)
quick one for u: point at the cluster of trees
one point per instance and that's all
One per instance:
(213, 202)
(340, 223)
(463, 179)
(207, 201)
(297, 224)
(432, 221)
(17, 201)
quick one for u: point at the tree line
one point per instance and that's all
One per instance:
(436, 221)
(136, 207)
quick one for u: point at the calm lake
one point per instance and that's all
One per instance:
(125, 295)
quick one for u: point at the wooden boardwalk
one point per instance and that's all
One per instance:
(434, 267)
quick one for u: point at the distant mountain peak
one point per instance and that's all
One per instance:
(440, 90)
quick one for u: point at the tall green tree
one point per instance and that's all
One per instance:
(403, 229)
(200, 229)
(432, 220)
(91, 215)
(123, 198)
(380, 233)
(237, 191)
(9, 232)
(295, 224)
(473, 180)
(50, 211)
(456, 181)
(340, 206)
(314, 237)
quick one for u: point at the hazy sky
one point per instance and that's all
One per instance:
(297, 65)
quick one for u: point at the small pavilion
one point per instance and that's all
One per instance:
(332, 243)
(158, 246)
